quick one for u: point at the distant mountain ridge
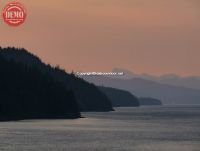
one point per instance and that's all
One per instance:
(89, 97)
(170, 79)
(146, 88)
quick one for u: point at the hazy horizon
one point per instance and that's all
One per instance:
(155, 36)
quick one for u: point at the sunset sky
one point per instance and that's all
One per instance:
(144, 36)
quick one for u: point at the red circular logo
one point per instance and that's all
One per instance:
(14, 14)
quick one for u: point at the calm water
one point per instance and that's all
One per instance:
(127, 129)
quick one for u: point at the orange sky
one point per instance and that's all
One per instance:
(144, 36)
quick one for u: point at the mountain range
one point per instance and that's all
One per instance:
(170, 79)
(142, 87)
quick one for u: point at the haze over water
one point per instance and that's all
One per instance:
(127, 129)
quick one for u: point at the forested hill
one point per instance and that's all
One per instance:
(88, 96)
(27, 93)
(149, 101)
(120, 98)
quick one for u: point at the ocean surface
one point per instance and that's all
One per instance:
(169, 128)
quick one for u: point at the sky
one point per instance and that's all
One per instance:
(144, 36)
